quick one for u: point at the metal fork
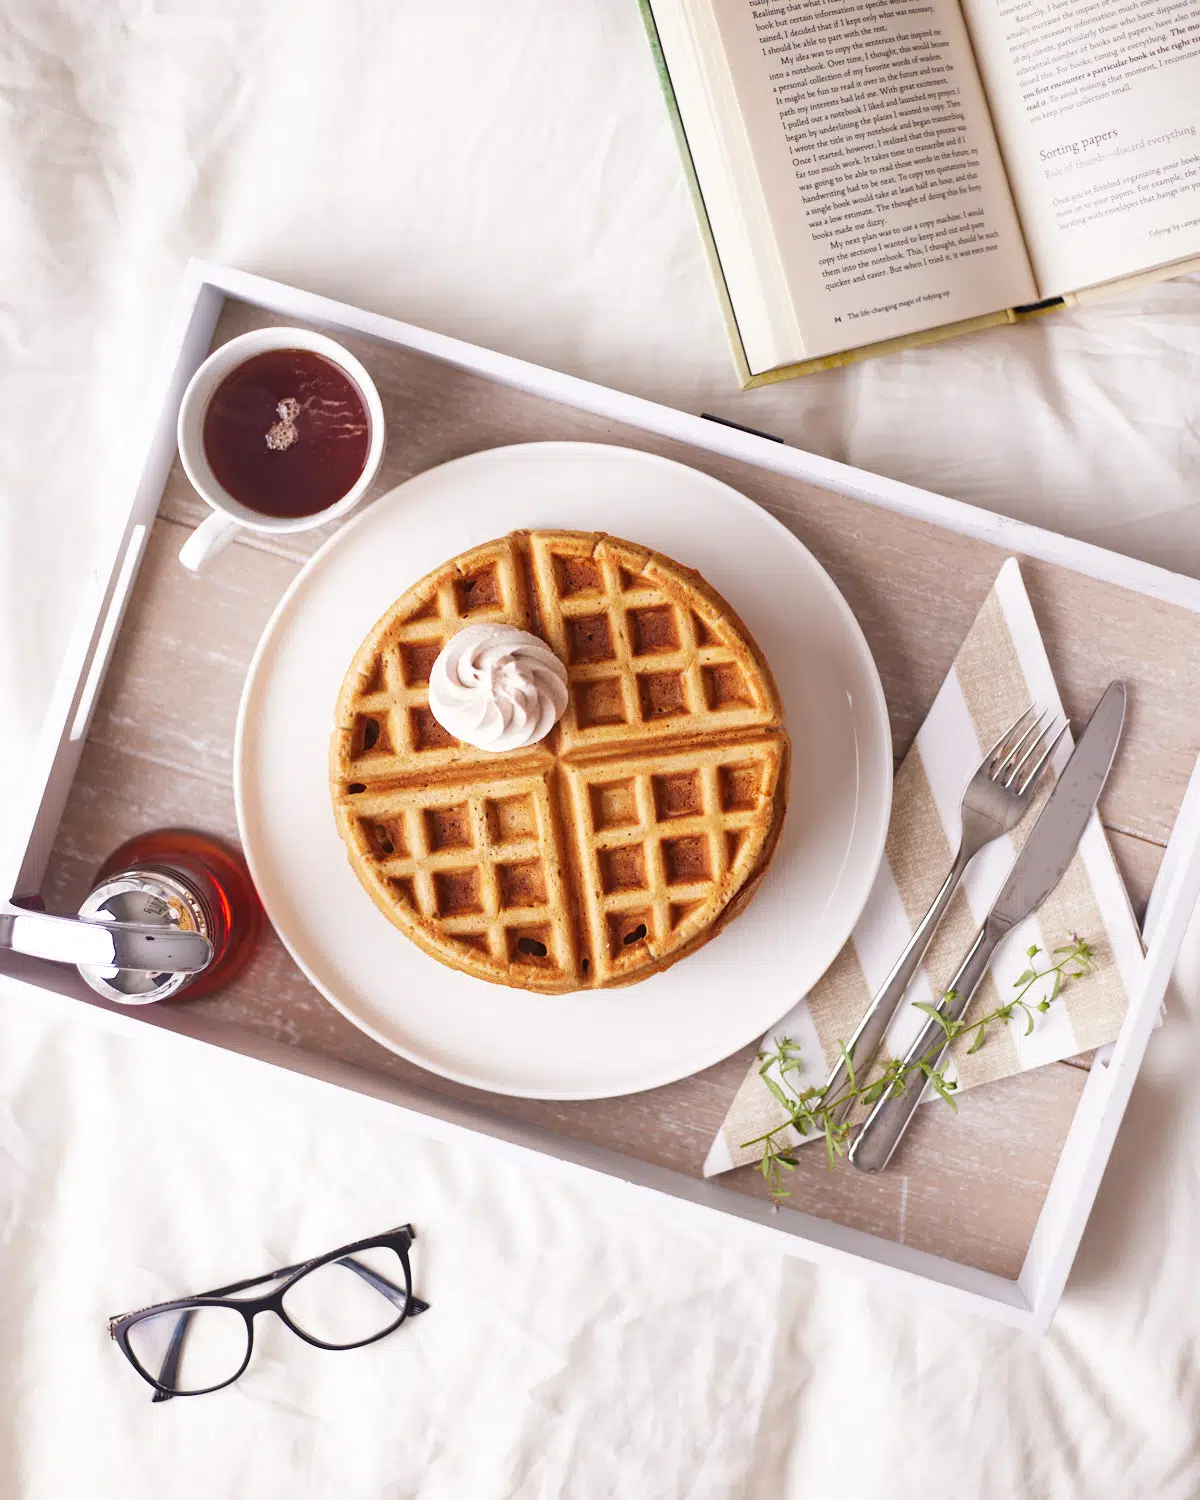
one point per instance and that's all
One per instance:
(993, 803)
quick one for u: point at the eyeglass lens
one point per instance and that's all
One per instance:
(192, 1349)
(348, 1301)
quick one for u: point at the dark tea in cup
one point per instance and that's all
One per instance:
(287, 433)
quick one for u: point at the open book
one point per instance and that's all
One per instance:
(873, 172)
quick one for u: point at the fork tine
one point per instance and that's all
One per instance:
(1014, 775)
(1037, 770)
(1028, 739)
(1012, 729)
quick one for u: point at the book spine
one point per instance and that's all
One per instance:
(1169, 271)
(917, 340)
(697, 195)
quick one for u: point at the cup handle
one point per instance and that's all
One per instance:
(212, 535)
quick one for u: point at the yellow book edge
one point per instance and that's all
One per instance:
(749, 380)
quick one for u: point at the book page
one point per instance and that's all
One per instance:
(733, 202)
(872, 153)
(1097, 106)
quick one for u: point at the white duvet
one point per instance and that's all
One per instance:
(506, 173)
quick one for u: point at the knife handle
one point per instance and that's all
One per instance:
(887, 1122)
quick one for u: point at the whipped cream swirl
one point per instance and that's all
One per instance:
(497, 688)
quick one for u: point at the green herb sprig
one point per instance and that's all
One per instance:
(810, 1111)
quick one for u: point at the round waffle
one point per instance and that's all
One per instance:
(615, 846)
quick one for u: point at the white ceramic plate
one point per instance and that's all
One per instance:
(600, 1042)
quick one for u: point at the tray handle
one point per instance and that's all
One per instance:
(108, 630)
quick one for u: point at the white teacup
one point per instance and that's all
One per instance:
(229, 515)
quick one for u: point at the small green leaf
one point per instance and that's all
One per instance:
(898, 1082)
(1027, 978)
(1032, 951)
(978, 1042)
(932, 1010)
(941, 1087)
(776, 1091)
(1043, 1006)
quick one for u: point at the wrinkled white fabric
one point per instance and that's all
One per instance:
(506, 173)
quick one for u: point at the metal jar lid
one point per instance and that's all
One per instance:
(150, 898)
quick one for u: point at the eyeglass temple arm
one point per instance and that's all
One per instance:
(396, 1295)
(170, 1365)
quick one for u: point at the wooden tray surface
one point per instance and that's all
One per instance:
(159, 753)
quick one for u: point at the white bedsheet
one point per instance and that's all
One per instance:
(506, 172)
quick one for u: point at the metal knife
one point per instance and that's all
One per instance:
(1038, 868)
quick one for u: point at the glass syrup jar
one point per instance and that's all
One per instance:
(181, 880)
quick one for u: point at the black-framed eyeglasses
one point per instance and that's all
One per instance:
(342, 1300)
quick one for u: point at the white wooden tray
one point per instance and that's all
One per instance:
(958, 1220)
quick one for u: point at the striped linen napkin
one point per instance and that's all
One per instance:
(1001, 668)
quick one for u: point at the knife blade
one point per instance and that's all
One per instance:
(1037, 869)
(1053, 839)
